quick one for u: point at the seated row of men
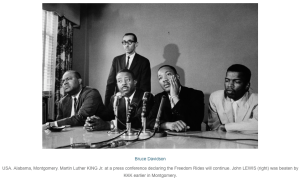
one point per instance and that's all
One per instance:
(232, 109)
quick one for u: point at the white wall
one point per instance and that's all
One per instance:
(200, 40)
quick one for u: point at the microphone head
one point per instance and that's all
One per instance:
(118, 95)
(133, 105)
(131, 110)
(163, 98)
(146, 96)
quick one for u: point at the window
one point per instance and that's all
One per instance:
(49, 30)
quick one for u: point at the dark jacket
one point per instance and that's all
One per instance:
(89, 104)
(108, 114)
(140, 66)
(189, 108)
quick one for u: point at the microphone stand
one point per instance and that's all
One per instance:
(130, 134)
(115, 129)
(144, 133)
(159, 133)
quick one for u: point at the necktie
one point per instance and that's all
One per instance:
(122, 113)
(75, 105)
(233, 110)
(127, 63)
(172, 102)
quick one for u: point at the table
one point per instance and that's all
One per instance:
(79, 135)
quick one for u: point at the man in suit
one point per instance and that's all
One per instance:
(235, 108)
(79, 103)
(130, 96)
(184, 107)
(138, 64)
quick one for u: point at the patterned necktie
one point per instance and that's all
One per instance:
(75, 105)
(127, 63)
(122, 113)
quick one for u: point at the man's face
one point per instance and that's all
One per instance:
(70, 83)
(235, 86)
(164, 74)
(126, 84)
(129, 49)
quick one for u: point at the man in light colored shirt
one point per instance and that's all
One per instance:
(235, 108)
(130, 96)
(131, 60)
(79, 102)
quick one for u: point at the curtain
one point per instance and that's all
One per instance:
(64, 55)
(49, 35)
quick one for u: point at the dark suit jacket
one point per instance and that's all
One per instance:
(108, 114)
(140, 66)
(189, 108)
(89, 104)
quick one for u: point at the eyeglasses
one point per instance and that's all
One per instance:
(127, 42)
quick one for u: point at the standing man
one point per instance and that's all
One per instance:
(79, 103)
(235, 108)
(138, 64)
(184, 107)
(131, 95)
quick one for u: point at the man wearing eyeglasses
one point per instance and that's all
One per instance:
(138, 64)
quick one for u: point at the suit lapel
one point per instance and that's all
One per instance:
(228, 109)
(122, 62)
(79, 101)
(243, 108)
(134, 61)
(136, 97)
(68, 107)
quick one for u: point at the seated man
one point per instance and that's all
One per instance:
(235, 108)
(131, 95)
(184, 107)
(79, 103)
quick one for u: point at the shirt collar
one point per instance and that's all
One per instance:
(131, 97)
(77, 95)
(131, 55)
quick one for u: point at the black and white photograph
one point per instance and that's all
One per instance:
(150, 75)
(127, 90)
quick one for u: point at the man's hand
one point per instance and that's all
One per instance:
(177, 126)
(94, 123)
(222, 128)
(174, 88)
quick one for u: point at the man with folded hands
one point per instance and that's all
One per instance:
(131, 96)
(79, 102)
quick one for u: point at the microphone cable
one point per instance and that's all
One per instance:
(197, 136)
(86, 145)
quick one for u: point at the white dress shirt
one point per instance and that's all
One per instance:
(131, 57)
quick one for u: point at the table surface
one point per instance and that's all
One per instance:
(187, 141)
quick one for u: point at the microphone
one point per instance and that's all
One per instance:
(131, 111)
(116, 99)
(157, 121)
(146, 96)
(130, 134)
(115, 129)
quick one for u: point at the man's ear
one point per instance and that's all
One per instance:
(134, 82)
(80, 80)
(136, 44)
(178, 77)
(248, 86)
